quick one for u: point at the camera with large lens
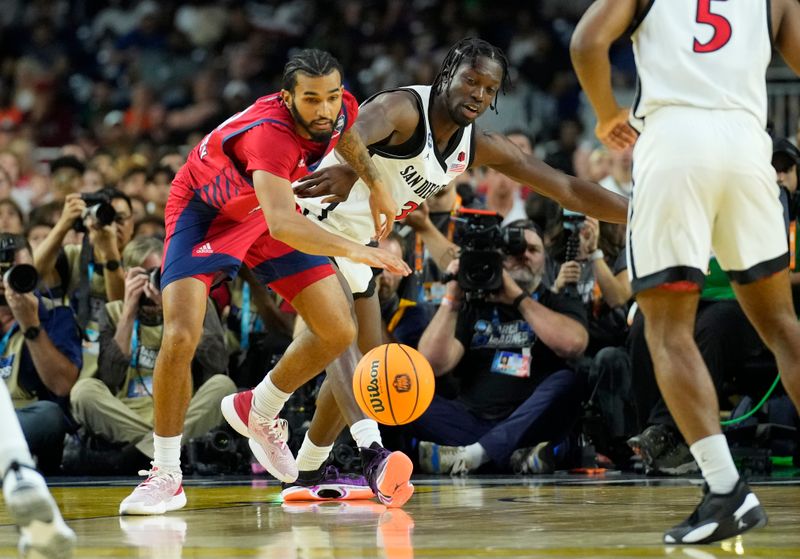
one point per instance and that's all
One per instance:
(22, 278)
(220, 451)
(99, 208)
(154, 278)
(484, 243)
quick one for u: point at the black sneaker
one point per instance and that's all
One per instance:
(326, 484)
(388, 474)
(718, 517)
(663, 451)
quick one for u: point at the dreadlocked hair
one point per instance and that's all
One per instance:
(313, 62)
(469, 49)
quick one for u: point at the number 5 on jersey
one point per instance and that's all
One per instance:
(722, 27)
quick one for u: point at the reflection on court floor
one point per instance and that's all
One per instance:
(548, 516)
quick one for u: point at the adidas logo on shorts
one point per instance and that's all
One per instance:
(204, 249)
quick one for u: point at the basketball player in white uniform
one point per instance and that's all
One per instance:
(702, 181)
(43, 533)
(420, 138)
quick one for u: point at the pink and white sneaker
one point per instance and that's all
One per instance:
(161, 492)
(267, 436)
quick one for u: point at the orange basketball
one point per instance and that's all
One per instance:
(393, 384)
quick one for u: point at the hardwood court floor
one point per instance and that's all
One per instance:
(548, 516)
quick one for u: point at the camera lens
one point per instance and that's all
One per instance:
(104, 213)
(22, 278)
(155, 278)
(221, 441)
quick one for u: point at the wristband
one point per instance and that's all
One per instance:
(449, 301)
(596, 255)
(518, 300)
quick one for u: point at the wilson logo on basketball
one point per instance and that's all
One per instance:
(374, 389)
(402, 383)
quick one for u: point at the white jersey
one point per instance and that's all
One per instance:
(710, 54)
(412, 173)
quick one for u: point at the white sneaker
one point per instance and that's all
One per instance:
(161, 492)
(267, 436)
(43, 532)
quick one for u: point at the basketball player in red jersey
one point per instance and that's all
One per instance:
(703, 181)
(232, 204)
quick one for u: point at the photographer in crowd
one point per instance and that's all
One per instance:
(39, 354)
(403, 318)
(786, 160)
(88, 274)
(117, 405)
(508, 348)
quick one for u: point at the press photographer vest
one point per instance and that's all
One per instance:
(412, 177)
(137, 389)
(11, 348)
(9, 369)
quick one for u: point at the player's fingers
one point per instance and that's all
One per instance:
(310, 177)
(335, 199)
(310, 188)
(376, 222)
(397, 266)
(387, 225)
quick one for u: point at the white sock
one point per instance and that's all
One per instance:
(167, 452)
(714, 458)
(476, 456)
(310, 456)
(365, 432)
(13, 447)
(268, 399)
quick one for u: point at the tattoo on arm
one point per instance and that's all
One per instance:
(351, 147)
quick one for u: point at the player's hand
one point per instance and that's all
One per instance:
(384, 209)
(379, 258)
(335, 181)
(616, 132)
(570, 272)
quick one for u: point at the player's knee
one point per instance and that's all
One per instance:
(783, 333)
(339, 336)
(668, 341)
(180, 339)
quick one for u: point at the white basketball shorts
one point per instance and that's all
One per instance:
(703, 181)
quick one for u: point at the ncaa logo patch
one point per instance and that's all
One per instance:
(402, 382)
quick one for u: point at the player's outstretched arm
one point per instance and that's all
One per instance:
(602, 24)
(499, 153)
(786, 27)
(286, 225)
(384, 209)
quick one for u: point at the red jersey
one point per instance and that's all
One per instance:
(262, 137)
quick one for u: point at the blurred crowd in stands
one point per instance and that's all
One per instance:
(100, 101)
